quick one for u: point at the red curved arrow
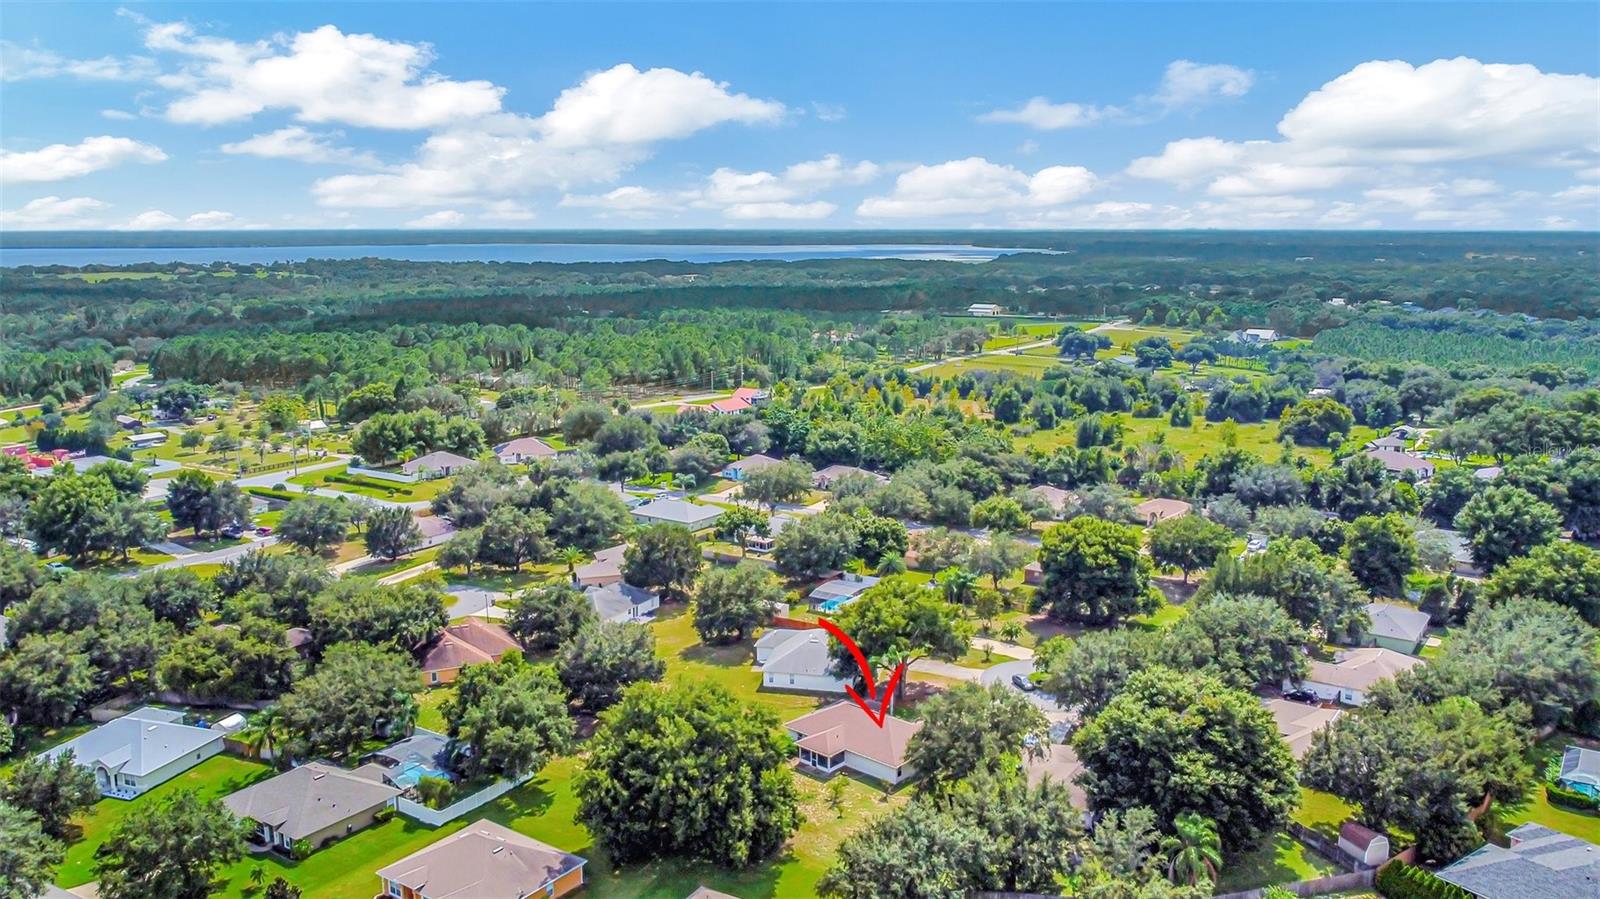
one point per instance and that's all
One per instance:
(866, 673)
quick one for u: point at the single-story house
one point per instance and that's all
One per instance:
(434, 530)
(1299, 722)
(1363, 844)
(986, 309)
(1398, 463)
(129, 423)
(1580, 770)
(142, 749)
(147, 439)
(1352, 674)
(605, 569)
(630, 500)
(1152, 511)
(842, 736)
(763, 543)
(622, 601)
(1400, 628)
(313, 426)
(438, 464)
(484, 861)
(823, 478)
(1059, 500)
(730, 405)
(524, 449)
(1539, 863)
(705, 892)
(736, 471)
(1461, 561)
(798, 660)
(693, 516)
(1033, 573)
(1488, 472)
(830, 595)
(315, 802)
(1390, 442)
(472, 642)
(1256, 335)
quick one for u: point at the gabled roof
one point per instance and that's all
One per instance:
(1390, 442)
(308, 799)
(615, 601)
(1359, 669)
(138, 743)
(731, 404)
(1540, 864)
(1397, 461)
(607, 564)
(834, 472)
(802, 652)
(1298, 723)
(1359, 835)
(750, 393)
(472, 642)
(1397, 622)
(843, 726)
(484, 861)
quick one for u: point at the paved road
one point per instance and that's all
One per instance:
(1008, 351)
(219, 556)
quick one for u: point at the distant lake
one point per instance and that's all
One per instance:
(496, 252)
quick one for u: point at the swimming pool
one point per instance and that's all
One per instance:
(412, 771)
(834, 605)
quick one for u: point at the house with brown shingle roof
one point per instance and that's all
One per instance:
(472, 642)
(524, 449)
(842, 736)
(484, 861)
(1154, 511)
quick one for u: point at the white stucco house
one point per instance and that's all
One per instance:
(798, 660)
(693, 516)
(1350, 677)
(142, 749)
(622, 601)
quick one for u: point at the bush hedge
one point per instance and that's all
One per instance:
(1398, 880)
(1559, 795)
(270, 493)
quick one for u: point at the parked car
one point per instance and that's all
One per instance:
(1023, 683)
(1302, 696)
(263, 531)
(233, 532)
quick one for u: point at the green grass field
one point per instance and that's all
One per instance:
(1284, 860)
(211, 779)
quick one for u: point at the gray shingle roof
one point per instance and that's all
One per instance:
(615, 602)
(1581, 765)
(308, 799)
(1397, 622)
(138, 743)
(1540, 864)
(804, 652)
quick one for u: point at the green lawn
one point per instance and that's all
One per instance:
(1321, 812)
(1283, 860)
(546, 808)
(372, 487)
(1537, 809)
(211, 779)
(1193, 442)
(1165, 616)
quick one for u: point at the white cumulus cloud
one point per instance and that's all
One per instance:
(54, 212)
(60, 161)
(1044, 115)
(22, 63)
(157, 220)
(623, 105)
(323, 75)
(295, 142)
(975, 186)
(444, 218)
(1188, 83)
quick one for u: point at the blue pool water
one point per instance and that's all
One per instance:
(412, 772)
(834, 605)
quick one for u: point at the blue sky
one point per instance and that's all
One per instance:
(1270, 115)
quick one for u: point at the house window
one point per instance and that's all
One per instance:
(433, 677)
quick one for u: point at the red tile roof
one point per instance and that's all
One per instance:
(844, 726)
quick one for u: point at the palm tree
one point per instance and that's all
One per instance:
(1194, 850)
(266, 733)
(889, 661)
(573, 557)
(959, 585)
(1012, 632)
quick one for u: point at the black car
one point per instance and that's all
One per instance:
(1302, 696)
(1021, 682)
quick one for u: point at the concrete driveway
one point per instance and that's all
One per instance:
(476, 601)
(1002, 674)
